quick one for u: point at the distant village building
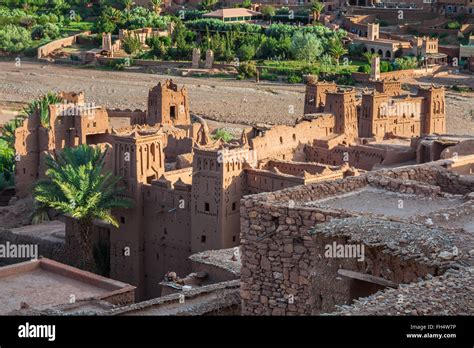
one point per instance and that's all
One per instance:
(233, 15)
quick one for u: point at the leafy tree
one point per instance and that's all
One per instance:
(159, 45)
(355, 49)
(47, 31)
(246, 52)
(131, 44)
(14, 39)
(268, 11)
(104, 25)
(327, 63)
(275, 48)
(77, 185)
(7, 165)
(406, 62)
(246, 4)
(305, 47)
(182, 50)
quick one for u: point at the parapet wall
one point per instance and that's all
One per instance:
(434, 174)
(287, 143)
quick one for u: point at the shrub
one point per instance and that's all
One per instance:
(294, 79)
(364, 68)
(345, 80)
(222, 134)
(247, 69)
(405, 63)
(131, 44)
(385, 66)
(453, 25)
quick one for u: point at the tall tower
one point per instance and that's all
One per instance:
(375, 68)
(373, 119)
(433, 111)
(373, 31)
(168, 105)
(342, 104)
(217, 186)
(315, 96)
(138, 158)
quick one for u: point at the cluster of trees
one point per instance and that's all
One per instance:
(247, 42)
(39, 20)
(112, 19)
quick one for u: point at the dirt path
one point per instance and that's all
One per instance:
(226, 101)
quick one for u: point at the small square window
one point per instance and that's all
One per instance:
(206, 206)
(122, 219)
(234, 206)
(203, 239)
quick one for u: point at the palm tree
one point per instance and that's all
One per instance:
(316, 8)
(77, 185)
(112, 14)
(8, 131)
(208, 5)
(369, 55)
(41, 105)
(337, 49)
(156, 5)
(128, 4)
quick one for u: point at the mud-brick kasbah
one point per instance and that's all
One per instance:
(187, 187)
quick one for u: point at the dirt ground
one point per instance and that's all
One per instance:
(231, 103)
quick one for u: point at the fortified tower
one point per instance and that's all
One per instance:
(138, 159)
(342, 104)
(433, 110)
(168, 105)
(315, 96)
(218, 180)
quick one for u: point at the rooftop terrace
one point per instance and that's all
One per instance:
(43, 283)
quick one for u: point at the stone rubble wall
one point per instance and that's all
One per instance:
(53, 249)
(448, 181)
(269, 274)
(279, 256)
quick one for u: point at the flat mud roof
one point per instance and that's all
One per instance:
(44, 283)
